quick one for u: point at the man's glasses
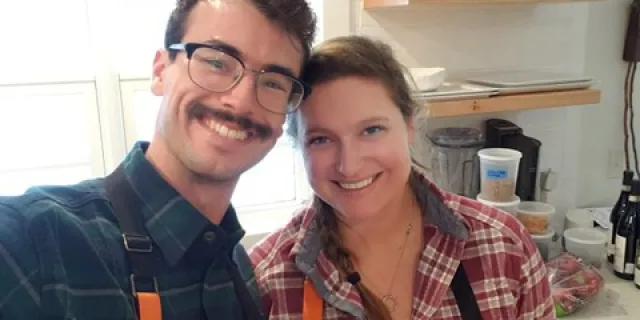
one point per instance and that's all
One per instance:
(214, 70)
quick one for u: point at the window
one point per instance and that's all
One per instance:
(49, 132)
(37, 150)
(76, 113)
(24, 44)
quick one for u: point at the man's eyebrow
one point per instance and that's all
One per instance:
(280, 69)
(224, 47)
(233, 51)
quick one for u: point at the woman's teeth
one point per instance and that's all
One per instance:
(227, 132)
(357, 185)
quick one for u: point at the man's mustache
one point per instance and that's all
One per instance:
(260, 130)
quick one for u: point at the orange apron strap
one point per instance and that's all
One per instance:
(312, 303)
(149, 306)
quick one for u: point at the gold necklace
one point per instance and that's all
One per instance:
(389, 300)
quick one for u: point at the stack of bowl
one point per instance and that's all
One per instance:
(498, 177)
(536, 218)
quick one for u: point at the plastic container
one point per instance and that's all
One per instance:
(589, 244)
(535, 216)
(544, 243)
(578, 218)
(498, 173)
(509, 207)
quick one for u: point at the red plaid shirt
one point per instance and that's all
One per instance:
(506, 271)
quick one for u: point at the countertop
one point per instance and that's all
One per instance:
(620, 300)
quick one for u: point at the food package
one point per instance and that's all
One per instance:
(573, 283)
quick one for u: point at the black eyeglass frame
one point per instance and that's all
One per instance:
(190, 47)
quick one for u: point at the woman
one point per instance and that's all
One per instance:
(379, 241)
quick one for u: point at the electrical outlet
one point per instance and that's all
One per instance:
(615, 163)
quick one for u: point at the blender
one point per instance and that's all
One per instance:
(453, 159)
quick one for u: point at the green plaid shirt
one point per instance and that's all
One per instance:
(62, 255)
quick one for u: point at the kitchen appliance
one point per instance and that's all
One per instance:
(454, 161)
(502, 133)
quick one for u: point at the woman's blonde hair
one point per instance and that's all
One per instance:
(354, 56)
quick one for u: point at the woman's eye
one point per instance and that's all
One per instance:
(373, 130)
(317, 140)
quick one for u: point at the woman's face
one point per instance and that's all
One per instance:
(355, 144)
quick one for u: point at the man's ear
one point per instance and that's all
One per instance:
(160, 63)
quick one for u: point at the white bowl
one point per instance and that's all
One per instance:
(428, 79)
(586, 243)
(509, 207)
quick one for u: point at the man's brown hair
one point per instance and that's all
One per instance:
(295, 17)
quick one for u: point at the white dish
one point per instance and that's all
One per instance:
(545, 88)
(526, 78)
(456, 97)
(428, 79)
(454, 90)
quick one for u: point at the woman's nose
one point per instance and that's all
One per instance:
(349, 161)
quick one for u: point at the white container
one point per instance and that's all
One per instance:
(535, 216)
(544, 243)
(589, 244)
(498, 173)
(509, 207)
(578, 218)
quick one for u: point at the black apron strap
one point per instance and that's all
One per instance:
(465, 298)
(250, 309)
(137, 244)
(139, 247)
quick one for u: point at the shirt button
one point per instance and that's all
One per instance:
(209, 236)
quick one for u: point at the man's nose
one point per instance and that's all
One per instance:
(242, 97)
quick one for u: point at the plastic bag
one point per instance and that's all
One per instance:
(573, 283)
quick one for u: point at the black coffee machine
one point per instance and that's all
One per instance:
(500, 133)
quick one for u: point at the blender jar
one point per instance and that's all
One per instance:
(454, 161)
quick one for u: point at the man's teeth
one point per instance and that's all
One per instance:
(227, 132)
(357, 185)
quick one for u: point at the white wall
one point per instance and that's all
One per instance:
(602, 126)
(572, 37)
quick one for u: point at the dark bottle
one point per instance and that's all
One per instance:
(636, 279)
(627, 236)
(618, 210)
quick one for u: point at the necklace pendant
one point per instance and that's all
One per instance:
(390, 302)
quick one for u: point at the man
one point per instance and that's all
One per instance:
(158, 238)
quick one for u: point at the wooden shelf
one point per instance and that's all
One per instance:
(371, 4)
(515, 102)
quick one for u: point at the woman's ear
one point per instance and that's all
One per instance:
(411, 131)
(160, 62)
